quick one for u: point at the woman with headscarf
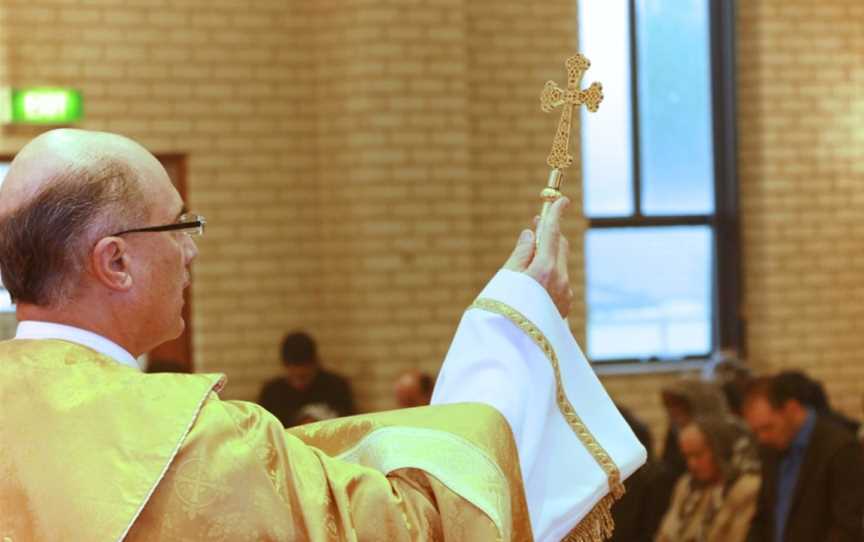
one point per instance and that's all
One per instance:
(716, 499)
(684, 400)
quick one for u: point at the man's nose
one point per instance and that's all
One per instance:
(190, 249)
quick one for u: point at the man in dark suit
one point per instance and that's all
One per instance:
(816, 398)
(812, 470)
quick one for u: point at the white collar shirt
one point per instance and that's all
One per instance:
(31, 329)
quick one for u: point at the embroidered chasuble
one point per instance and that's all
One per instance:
(94, 450)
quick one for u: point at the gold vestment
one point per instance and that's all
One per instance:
(94, 450)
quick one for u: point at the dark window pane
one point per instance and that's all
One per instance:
(607, 150)
(649, 292)
(675, 130)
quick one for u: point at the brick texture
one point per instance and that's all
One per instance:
(801, 82)
(367, 165)
(225, 83)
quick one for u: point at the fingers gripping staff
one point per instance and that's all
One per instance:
(546, 259)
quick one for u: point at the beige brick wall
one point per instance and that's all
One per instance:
(228, 84)
(366, 166)
(431, 152)
(352, 136)
(392, 167)
(801, 125)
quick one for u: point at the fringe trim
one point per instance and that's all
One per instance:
(597, 525)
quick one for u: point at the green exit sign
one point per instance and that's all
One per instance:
(41, 106)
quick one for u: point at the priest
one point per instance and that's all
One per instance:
(522, 442)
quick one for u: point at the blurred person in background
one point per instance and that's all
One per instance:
(732, 376)
(812, 468)
(304, 382)
(811, 393)
(716, 499)
(637, 515)
(413, 388)
(158, 365)
(861, 429)
(684, 400)
(315, 412)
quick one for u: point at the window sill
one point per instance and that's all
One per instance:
(648, 367)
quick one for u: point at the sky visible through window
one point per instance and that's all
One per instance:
(675, 107)
(649, 289)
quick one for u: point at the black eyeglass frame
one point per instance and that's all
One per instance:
(199, 222)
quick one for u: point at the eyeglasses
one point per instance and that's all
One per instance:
(190, 224)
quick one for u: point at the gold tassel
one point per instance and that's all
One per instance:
(597, 525)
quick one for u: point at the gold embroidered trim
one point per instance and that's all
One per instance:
(597, 525)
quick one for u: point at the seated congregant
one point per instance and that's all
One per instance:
(812, 394)
(683, 401)
(161, 365)
(861, 433)
(812, 469)
(637, 515)
(716, 499)
(732, 376)
(413, 388)
(305, 383)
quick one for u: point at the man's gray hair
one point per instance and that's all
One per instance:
(45, 243)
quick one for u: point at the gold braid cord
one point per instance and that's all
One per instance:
(597, 525)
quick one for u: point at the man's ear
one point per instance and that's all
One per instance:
(791, 408)
(111, 263)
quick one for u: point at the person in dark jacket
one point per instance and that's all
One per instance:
(811, 393)
(812, 469)
(305, 392)
(638, 513)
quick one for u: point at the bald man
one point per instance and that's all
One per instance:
(95, 249)
(413, 388)
(95, 237)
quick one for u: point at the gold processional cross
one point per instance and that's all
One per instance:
(553, 96)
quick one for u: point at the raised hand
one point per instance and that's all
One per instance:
(546, 261)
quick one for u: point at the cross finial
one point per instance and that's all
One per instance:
(553, 96)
